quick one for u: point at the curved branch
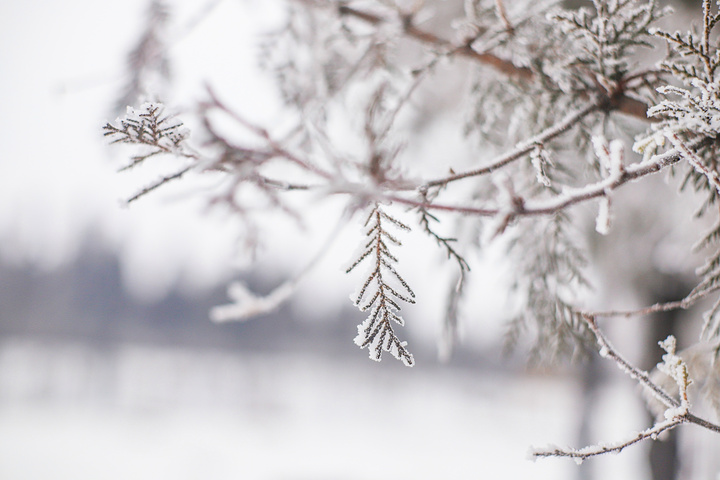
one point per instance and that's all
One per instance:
(522, 148)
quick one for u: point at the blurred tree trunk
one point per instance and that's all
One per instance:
(664, 461)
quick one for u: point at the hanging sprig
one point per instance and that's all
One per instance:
(384, 287)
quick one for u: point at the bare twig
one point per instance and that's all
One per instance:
(681, 304)
(159, 183)
(276, 149)
(502, 14)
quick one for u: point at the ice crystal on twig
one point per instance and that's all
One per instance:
(676, 411)
(382, 290)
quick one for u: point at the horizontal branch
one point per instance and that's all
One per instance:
(572, 197)
(682, 304)
(601, 449)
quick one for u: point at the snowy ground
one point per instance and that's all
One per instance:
(70, 411)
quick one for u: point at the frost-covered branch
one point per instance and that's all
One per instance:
(677, 410)
(246, 304)
(570, 196)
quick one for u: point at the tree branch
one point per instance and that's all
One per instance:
(619, 100)
(676, 413)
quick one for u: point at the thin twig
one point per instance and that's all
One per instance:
(158, 184)
(608, 351)
(502, 14)
(682, 304)
(595, 450)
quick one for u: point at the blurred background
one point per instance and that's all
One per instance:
(109, 365)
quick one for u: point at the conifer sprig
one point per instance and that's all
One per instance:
(382, 290)
(148, 126)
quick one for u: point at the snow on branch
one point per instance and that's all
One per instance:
(584, 453)
(245, 304)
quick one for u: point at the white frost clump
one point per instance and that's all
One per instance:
(611, 158)
(604, 218)
(675, 367)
